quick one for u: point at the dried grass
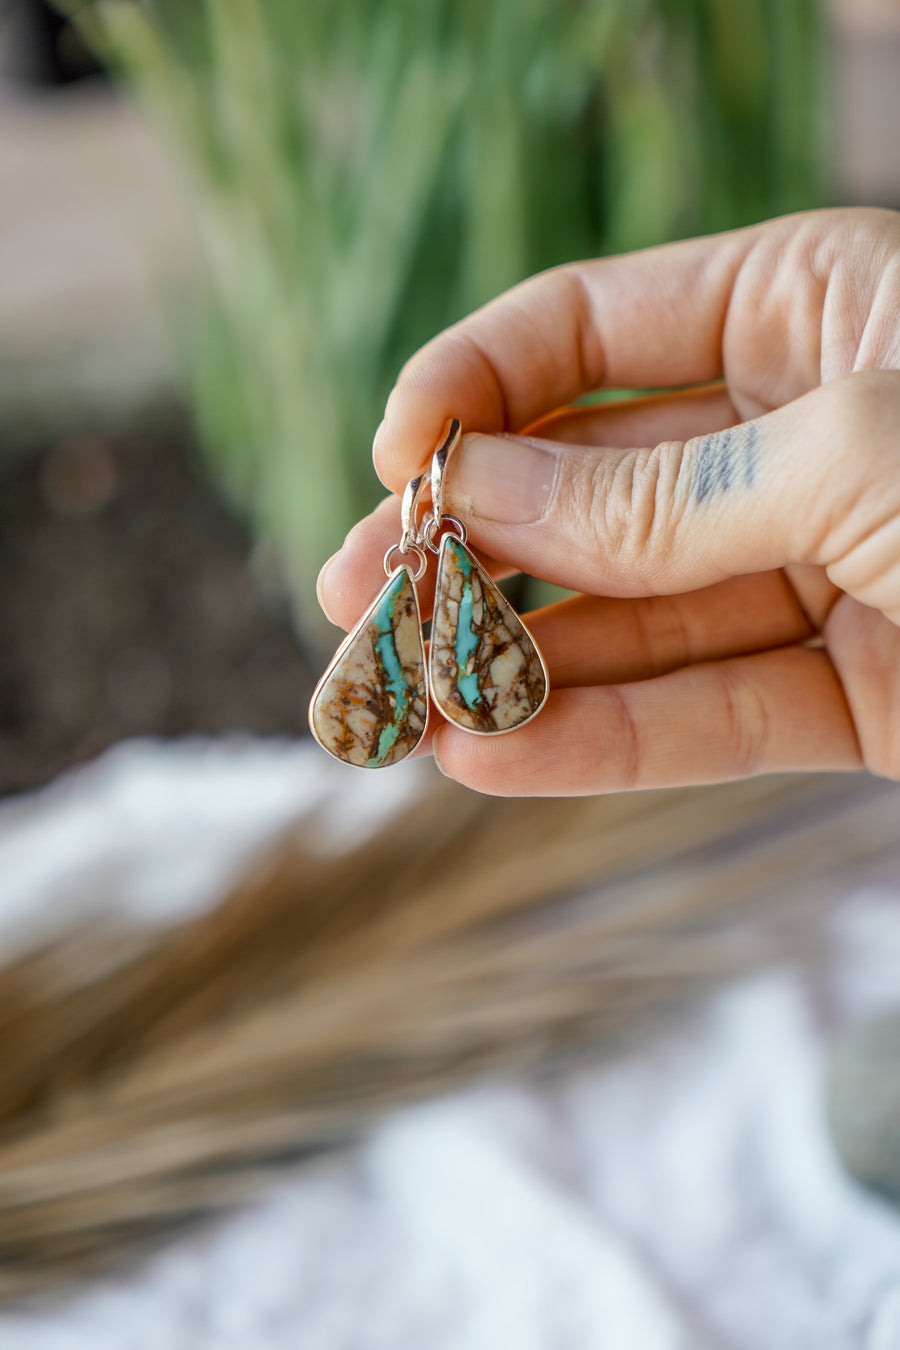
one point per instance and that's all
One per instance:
(150, 1078)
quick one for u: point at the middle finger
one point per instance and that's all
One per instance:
(591, 640)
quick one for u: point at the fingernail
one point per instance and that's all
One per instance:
(435, 755)
(376, 443)
(501, 479)
(321, 578)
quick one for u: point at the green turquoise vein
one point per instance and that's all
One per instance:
(467, 636)
(395, 683)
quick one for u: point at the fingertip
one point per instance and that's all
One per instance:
(437, 737)
(409, 431)
(392, 466)
(378, 448)
(344, 584)
(544, 758)
(466, 759)
(321, 585)
(332, 596)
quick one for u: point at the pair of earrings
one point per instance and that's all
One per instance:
(485, 673)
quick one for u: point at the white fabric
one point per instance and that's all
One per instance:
(684, 1194)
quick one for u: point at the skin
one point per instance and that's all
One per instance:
(736, 546)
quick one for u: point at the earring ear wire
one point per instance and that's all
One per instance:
(439, 461)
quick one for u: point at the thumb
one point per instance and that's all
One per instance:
(818, 480)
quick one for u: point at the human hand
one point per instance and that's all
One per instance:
(737, 546)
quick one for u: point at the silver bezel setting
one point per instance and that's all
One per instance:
(476, 731)
(346, 643)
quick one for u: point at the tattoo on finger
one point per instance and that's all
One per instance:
(724, 460)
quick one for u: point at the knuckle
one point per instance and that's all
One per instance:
(862, 408)
(747, 723)
(664, 635)
(627, 737)
(858, 533)
(632, 505)
(880, 390)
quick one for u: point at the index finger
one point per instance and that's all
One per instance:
(648, 319)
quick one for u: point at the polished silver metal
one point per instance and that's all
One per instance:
(415, 549)
(412, 535)
(439, 461)
(429, 537)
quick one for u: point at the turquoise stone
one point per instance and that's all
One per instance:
(485, 670)
(371, 705)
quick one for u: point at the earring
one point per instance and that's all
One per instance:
(370, 708)
(486, 673)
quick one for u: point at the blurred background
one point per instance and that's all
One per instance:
(224, 225)
(208, 287)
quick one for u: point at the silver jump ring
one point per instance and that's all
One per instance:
(399, 548)
(431, 528)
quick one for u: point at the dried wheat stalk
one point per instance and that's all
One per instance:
(148, 1078)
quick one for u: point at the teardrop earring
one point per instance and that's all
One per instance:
(486, 673)
(370, 708)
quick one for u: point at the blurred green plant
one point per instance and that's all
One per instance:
(367, 173)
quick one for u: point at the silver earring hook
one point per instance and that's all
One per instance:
(412, 540)
(412, 535)
(438, 466)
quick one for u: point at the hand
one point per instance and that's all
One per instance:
(740, 568)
